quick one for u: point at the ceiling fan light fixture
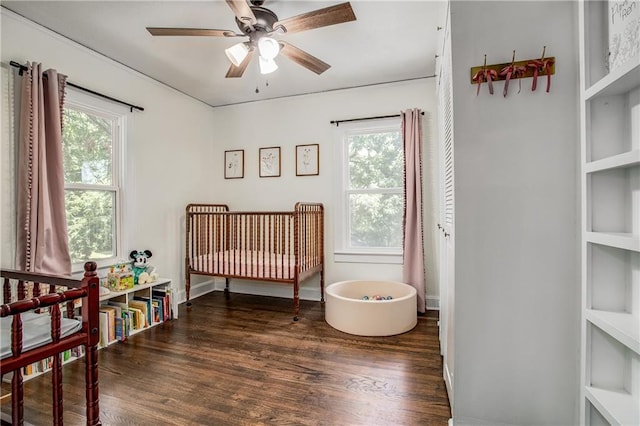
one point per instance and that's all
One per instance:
(258, 24)
(237, 53)
(268, 47)
(267, 66)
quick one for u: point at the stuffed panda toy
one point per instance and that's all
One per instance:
(142, 270)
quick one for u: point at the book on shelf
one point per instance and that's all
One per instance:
(155, 308)
(117, 308)
(126, 323)
(122, 320)
(123, 306)
(165, 295)
(149, 308)
(77, 352)
(624, 32)
(144, 308)
(104, 329)
(138, 321)
(120, 329)
(46, 364)
(111, 321)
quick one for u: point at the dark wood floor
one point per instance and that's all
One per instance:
(242, 361)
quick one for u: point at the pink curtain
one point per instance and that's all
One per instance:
(413, 270)
(42, 244)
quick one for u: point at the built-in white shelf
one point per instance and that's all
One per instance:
(623, 326)
(621, 80)
(610, 212)
(615, 239)
(618, 408)
(113, 294)
(627, 159)
(139, 290)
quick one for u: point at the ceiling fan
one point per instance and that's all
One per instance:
(259, 24)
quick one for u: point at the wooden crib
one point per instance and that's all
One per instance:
(284, 247)
(34, 329)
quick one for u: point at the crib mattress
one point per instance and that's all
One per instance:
(36, 331)
(247, 263)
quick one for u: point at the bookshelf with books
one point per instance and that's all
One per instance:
(128, 312)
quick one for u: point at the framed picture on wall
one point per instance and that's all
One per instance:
(234, 164)
(307, 160)
(270, 161)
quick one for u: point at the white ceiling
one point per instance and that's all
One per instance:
(390, 41)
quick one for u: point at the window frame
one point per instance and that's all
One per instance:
(342, 250)
(120, 116)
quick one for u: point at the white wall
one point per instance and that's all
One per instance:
(170, 152)
(517, 280)
(305, 120)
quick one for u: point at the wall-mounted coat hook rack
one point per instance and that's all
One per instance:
(533, 68)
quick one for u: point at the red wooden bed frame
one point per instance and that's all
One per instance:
(88, 290)
(284, 247)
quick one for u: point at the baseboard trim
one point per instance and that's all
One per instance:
(433, 303)
(448, 381)
(249, 287)
(269, 289)
(196, 290)
(471, 421)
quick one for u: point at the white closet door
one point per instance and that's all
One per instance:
(447, 217)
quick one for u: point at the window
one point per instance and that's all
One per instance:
(371, 199)
(93, 138)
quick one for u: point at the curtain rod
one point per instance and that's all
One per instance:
(139, 108)
(337, 122)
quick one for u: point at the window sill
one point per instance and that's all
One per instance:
(357, 257)
(77, 269)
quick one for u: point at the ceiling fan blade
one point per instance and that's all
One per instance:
(236, 72)
(156, 31)
(242, 11)
(303, 58)
(318, 18)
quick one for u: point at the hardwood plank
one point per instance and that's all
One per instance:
(240, 360)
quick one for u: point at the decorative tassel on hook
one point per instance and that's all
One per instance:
(507, 72)
(519, 72)
(543, 66)
(512, 71)
(487, 75)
